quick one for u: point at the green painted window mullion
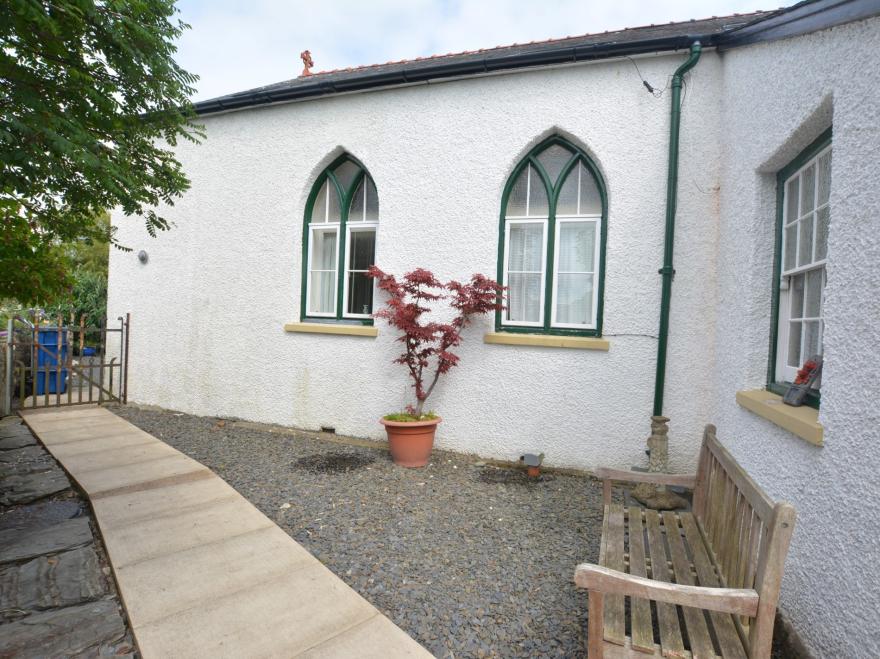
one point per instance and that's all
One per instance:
(551, 247)
(551, 240)
(342, 243)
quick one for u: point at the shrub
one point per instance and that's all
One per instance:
(428, 344)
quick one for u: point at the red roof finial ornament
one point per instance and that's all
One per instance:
(306, 57)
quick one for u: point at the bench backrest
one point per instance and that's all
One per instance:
(747, 531)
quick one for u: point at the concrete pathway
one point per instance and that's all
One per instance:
(200, 570)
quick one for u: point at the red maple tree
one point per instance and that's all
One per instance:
(428, 343)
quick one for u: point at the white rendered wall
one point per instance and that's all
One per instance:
(208, 309)
(778, 97)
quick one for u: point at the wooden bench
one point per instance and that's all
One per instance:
(713, 574)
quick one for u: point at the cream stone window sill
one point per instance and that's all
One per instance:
(547, 341)
(328, 328)
(802, 421)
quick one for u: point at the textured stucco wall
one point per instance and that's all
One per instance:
(778, 97)
(208, 308)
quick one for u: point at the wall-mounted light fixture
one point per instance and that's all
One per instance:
(143, 257)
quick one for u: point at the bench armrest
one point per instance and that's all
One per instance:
(609, 475)
(739, 601)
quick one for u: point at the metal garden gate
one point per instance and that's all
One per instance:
(51, 364)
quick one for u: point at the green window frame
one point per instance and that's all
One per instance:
(571, 297)
(788, 219)
(339, 237)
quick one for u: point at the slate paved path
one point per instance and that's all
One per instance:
(56, 599)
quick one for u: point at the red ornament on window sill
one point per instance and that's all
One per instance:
(806, 376)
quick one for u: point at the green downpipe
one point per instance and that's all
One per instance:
(669, 241)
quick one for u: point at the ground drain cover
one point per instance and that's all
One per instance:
(333, 463)
(494, 476)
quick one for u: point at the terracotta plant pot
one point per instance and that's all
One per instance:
(411, 441)
(533, 472)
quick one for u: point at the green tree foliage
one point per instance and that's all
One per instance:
(90, 253)
(88, 297)
(91, 103)
(87, 261)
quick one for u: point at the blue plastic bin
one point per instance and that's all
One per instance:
(47, 355)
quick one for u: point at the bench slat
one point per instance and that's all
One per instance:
(639, 609)
(604, 540)
(743, 523)
(695, 621)
(615, 629)
(730, 542)
(725, 630)
(760, 502)
(667, 616)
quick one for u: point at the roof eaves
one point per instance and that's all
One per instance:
(802, 18)
(473, 66)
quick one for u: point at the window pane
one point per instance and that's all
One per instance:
(794, 345)
(361, 251)
(824, 178)
(791, 200)
(372, 201)
(553, 159)
(525, 249)
(812, 343)
(323, 292)
(538, 205)
(823, 215)
(324, 250)
(591, 202)
(516, 201)
(797, 296)
(319, 208)
(790, 246)
(574, 299)
(814, 294)
(524, 297)
(334, 214)
(345, 174)
(356, 212)
(805, 241)
(360, 293)
(567, 201)
(576, 246)
(808, 189)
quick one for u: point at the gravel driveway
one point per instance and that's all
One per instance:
(470, 560)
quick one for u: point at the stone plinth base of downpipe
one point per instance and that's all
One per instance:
(658, 497)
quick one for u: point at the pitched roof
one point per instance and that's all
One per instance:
(692, 28)
(724, 30)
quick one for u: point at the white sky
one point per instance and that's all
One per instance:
(238, 44)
